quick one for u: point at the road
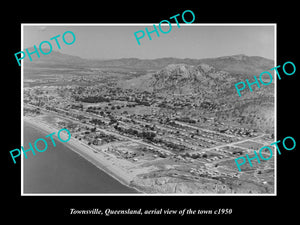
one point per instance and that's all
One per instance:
(233, 143)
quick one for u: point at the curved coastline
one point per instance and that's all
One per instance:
(86, 152)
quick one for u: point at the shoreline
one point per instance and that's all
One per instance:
(108, 166)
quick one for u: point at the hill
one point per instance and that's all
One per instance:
(55, 59)
(241, 64)
(188, 79)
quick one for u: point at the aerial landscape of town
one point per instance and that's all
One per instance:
(166, 125)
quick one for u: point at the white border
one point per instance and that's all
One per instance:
(22, 122)
(150, 24)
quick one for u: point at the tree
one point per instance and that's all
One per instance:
(148, 135)
(112, 120)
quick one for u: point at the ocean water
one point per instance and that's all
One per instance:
(59, 170)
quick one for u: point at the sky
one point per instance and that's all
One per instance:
(196, 41)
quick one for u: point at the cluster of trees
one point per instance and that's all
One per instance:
(173, 146)
(93, 110)
(186, 120)
(50, 108)
(91, 99)
(32, 111)
(97, 122)
(80, 107)
(142, 102)
(96, 110)
(144, 134)
(37, 102)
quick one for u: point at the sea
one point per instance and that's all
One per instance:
(59, 170)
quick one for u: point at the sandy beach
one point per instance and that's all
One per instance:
(120, 169)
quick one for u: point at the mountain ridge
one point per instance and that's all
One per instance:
(239, 63)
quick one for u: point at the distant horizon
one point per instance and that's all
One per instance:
(178, 57)
(194, 41)
(58, 51)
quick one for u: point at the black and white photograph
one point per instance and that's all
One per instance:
(162, 117)
(149, 111)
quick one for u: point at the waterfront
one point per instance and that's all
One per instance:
(60, 170)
